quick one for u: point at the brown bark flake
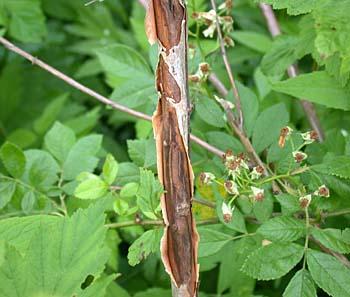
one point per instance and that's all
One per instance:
(171, 128)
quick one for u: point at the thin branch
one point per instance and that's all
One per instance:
(228, 68)
(339, 256)
(341, 212)
(203, 202)
(94, 94)
(218, 85)
(292, 71)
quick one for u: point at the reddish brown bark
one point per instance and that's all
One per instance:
(167, 22)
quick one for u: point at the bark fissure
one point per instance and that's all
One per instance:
(167, 22)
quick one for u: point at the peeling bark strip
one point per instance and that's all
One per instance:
(166, 22)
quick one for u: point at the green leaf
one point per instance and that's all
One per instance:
(41, 170)
(121, 207)
(328, 273)
(317, 87)
(284, 229)
(148, 195)
(289, 204)
(283, 51)
(135, 92)
(154, 292)
(59, 257)
(7, 189)
(273, 261)
(256, 41)
(294, 7)
(28, 202)
(49, 115)
(268, 126)
(149, 242)
(129, 190)
(143, 152)
(128, 172)
(333, 239)
(110, 169)
(26, 21)
(13, 159)
(123, 62)
(250, 107)
(98, 287)
(211, 241)
(92, 188)
(22, 137)
(301, 285)
(224, 141)
(338, 166)
(59, 140)
(82, 156)
(209, 111)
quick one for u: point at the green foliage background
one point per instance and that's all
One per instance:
(75, 174)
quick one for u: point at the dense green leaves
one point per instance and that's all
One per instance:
(24, 19)
(329, 274)
(284, 229)
(337, 166)
(273, 261)
(294, 7)
(47, 268)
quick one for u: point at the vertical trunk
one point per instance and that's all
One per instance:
(166, 22)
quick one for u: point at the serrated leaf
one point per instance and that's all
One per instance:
(59, 255)
(143, 152)
(7, 189)
(294, 7)
(283, 51)
(301, 285)
(26, 19)
(268, 125)
(110, 169)
(59, 140)
(148, 195)
(91, 188)
(81, 157)
(289, 203)
(273, 261)
(41, 169)
(284, 229)
(328, 273)
(149, 242)
(338, 166)
(333, 239)
(211, 241)
(13, 159)
(317, 87)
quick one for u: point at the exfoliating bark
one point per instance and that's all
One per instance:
(166, 22)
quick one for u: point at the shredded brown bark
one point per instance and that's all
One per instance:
(167, 22)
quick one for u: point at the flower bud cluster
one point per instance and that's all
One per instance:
(201, 74)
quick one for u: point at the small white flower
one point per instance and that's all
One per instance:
(305, 201)
(209, 32)
(206, 178)
(258, 194)
(231, 187)
(299, 156)
(322, 191)
(227, 212)
(257, 172)
(309, 136)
